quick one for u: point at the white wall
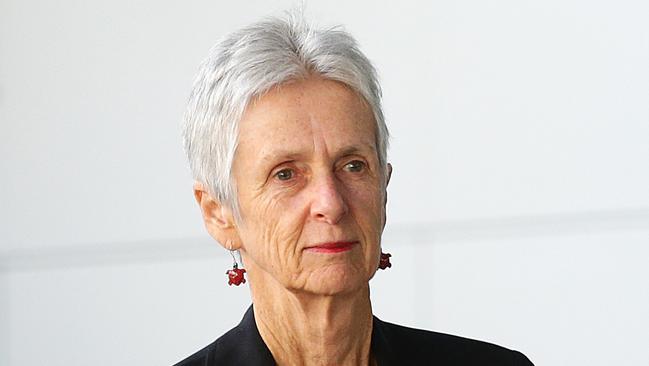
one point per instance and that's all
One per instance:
(519, 207)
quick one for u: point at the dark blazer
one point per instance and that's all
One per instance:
(391, 345)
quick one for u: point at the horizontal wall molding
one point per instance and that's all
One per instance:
(559, 224)
(440, 232)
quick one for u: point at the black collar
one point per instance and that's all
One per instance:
(253, 350)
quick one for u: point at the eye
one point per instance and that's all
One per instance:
(284, 174)
(354, 166)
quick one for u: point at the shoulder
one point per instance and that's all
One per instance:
(242, 345)
(222, 350)
(407, 346)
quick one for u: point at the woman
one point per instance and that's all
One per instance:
(287, 143)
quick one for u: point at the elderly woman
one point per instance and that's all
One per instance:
(287, 144)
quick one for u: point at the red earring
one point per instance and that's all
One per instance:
(384, 262)
(235, 275)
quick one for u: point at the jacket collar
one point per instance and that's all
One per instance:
(257, 353)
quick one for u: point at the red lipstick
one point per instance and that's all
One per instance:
(333, 247)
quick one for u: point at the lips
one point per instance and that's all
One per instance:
(332, 247)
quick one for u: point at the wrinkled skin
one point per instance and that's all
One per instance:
(307, 172)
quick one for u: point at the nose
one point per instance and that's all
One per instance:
(328, 202)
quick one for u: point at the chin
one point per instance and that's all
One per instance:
(336, 280)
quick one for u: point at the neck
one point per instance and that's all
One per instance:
(312, 329)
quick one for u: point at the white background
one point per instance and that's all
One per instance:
(519, 204)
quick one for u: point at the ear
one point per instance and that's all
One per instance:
(218, 218)
(389, 171)
(388, 176)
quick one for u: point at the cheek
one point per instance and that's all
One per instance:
(271, 231)
(367, 204)
(368, 213)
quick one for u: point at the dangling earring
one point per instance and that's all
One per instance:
(235, 275)
(384, 262)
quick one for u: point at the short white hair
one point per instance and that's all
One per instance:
(248, 63)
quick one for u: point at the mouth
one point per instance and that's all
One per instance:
(332, 247)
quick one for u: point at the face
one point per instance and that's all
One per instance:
(311, 191)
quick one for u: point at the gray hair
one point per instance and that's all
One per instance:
(248, 63)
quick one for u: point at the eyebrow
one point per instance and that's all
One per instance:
(356, 149)
(297, 155)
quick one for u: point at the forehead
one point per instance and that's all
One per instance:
(295, 116)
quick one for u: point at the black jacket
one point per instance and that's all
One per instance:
(391, 345)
